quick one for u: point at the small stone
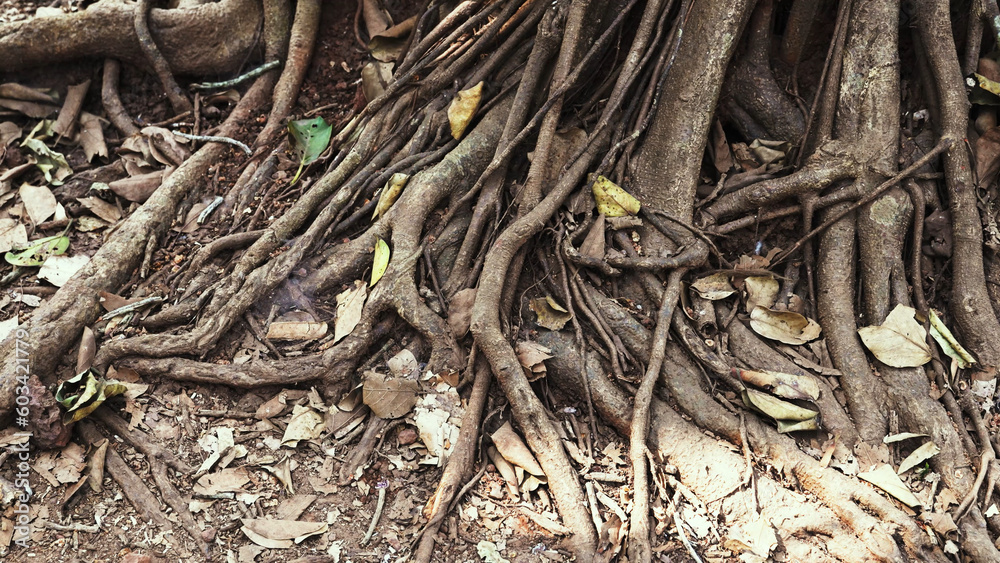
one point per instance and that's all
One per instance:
(208, 534)
(406, 436)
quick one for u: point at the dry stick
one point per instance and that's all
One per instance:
(459, 464)
(178, 100)
(112, 102)
(638, 533)
(942, 146)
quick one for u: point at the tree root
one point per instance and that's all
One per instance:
(226, 33)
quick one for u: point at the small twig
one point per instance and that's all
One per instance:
(234, 81)
(132, 307)
(381, 486)
(71, 527)
(216, 139)
(680, 529)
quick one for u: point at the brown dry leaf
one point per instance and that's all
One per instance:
(460, 312)
(21, 92)
(39, 202)
(9, 132)
(942, 522)
(886, 479)
(65, 124)
(87, 351)
(58, 270)
(513, 449)
(404, 364)
(110, 301)
(900, 341)
(293, 507)
(374, 78)
(762, 291)
(387, 45)
(230, 480)
(282, 471)
(505, 469)
(280, 534)
(723, 156)
(306, 424)
(463, 109)
(714, 287)
(138, 188)
(33, 110)
(12, 234)
(550, 314)
(784, 385)
(870, 456)
(296, 331)
(350, 304)
(593, 244)
(783, 326)
(101, 208)
(926, 451)
(95, 465)
(92, 137)
(532, 356)
(389, 397)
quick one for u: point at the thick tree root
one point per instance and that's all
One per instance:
(226, 34)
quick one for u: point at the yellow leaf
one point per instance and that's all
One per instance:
(462, 108)
(613, 201)
(381, 261)
(390, 193)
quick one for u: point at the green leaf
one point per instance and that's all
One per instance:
(52, 164)
(948, 343)
(38, 250)
(86, 391)
(310, 138)
(381, 261)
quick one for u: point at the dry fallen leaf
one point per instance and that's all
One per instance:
(389, 397)
(886, 479)
(714, 287)
(463, 109)
(514, 450)
(783, 326)
(532, 356)
(612, 200)
(899, 341)
(39, 202)
(926, 451)
(57, 270)
(762, 291)
(281, 534)
(350, 304)
(306, 424)
(784, 385)
(551, 315)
